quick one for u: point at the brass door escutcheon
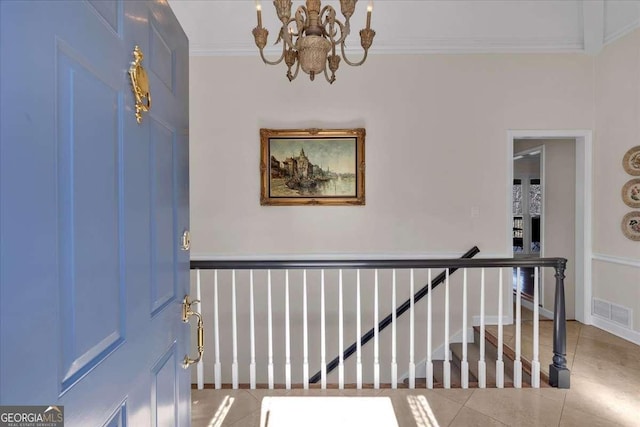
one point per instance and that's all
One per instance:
(139, 84)
(186, 240)
(186, 314)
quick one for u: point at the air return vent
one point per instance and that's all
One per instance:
(621, 315)
(614, 312)
(602, 308)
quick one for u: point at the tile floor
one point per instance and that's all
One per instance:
(605, 391)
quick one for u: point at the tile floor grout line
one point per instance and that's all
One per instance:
(472, 393)
(456, 415)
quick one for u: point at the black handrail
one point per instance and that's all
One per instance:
(558, 371)
(372, 263)
(405, 306)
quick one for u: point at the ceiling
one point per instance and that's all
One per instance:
(217, 27)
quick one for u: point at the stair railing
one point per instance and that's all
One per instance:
(403, 308)
(558, 371)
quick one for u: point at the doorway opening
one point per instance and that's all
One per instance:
(578, 292)
(527, 215)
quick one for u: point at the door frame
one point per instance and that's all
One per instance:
(584, 208)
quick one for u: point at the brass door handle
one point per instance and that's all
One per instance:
(186, 315)
(139, 84)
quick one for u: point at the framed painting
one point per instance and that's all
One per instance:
(312, 167)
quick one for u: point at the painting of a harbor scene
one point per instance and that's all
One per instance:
(312, 167)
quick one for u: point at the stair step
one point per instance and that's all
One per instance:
(509, 356)
(438, 374)
(473, 356)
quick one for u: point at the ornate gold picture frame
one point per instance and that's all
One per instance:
(312, 167)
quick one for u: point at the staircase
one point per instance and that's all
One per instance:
(473, 356)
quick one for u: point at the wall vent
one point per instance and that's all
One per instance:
(602, 308)
(614, 312)
(621, 315)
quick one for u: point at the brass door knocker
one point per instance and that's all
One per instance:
(139, 84)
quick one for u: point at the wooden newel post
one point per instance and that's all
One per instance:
(559, 375)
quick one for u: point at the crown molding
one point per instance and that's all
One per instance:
(471, 45)
(439, 45)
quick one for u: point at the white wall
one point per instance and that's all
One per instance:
(435, 148)
(616, 270)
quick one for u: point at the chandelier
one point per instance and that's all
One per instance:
(311, 37)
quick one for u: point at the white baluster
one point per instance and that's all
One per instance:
(234, 326)
(252, 326)
(323, 335)
(340, 334)
(305, 333)
(200, 365)
(394, 362)
(217, 368)
(517, 363)
(358, 334)
(464, 365)
(429, 363)
(287, 333)
(499, 361)
(535, 363)
(376, 343)
(482, 366)
(446, 365)
(270, 332)
(412, 364)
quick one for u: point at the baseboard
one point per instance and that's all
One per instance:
(543, 311)
(619, 331)
(492, 320)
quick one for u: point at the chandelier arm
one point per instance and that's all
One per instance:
(266, 61)
(301, 17)
(353, 64)
(326, 22)
(345, 30)
(296, 73)
(288, 36)
(326, 76)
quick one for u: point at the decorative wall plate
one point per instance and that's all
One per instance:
(631, 226)
(631, 193)
(631, 161)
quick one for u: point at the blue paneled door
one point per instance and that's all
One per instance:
(93, 209)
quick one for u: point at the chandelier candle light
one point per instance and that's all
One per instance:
(309, 39)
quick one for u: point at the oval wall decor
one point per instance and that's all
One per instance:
(631, 161)
(631, 193)
(631, 225)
